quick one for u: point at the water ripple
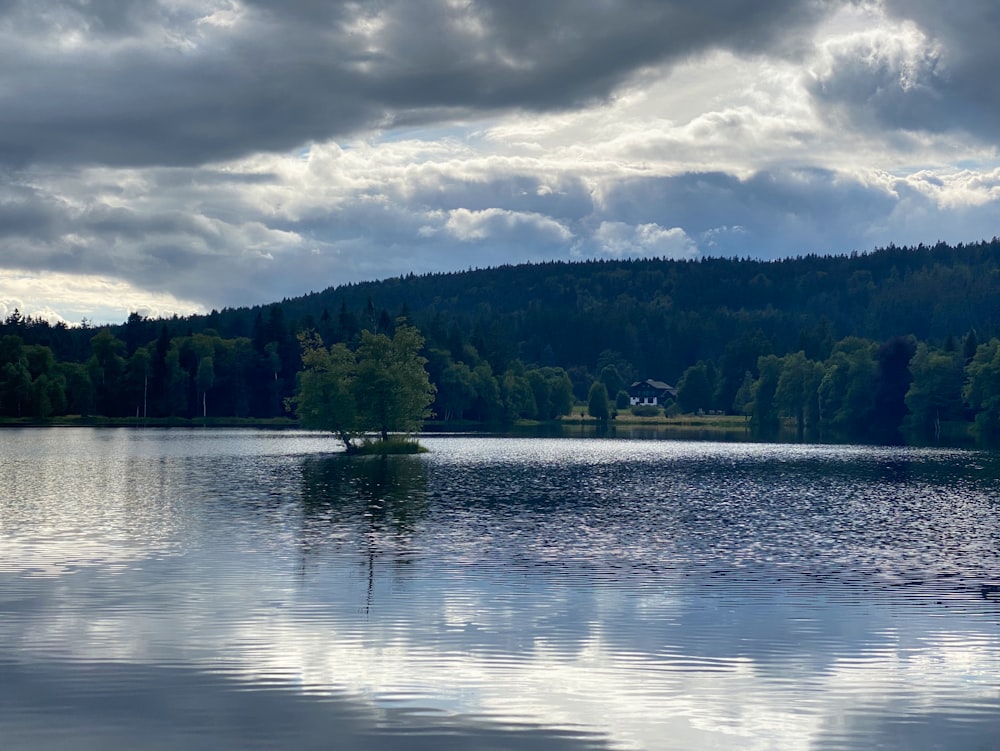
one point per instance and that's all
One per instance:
(242, 589)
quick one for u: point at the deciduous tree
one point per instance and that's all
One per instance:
(392, 390)
(936, 391)
(382, 388)
(597, 402)
(325, 400)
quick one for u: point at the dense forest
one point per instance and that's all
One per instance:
(862, 345)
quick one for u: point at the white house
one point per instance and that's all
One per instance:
(651, 392)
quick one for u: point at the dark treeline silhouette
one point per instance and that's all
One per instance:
(861, 345)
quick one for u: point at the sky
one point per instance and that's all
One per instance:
(175, 156)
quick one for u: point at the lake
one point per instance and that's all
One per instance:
(207, 589)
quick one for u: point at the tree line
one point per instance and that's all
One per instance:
(862, 346)
(203, 374)
(863, 390)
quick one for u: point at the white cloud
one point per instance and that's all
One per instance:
(500, 224)
(70, 298)
(818, 136)
(622, 240)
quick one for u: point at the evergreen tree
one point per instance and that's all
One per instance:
(158, 374)
(107, 367)
(892, 381)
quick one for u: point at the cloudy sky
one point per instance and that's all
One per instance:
(182, 155)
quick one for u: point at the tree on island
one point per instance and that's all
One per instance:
(383, 387)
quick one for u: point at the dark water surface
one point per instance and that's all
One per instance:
(200, 589)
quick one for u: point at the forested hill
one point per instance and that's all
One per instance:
(926, 291)
(558, 327)
(662, 316)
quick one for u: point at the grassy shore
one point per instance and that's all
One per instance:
(722, 427)
(393, 447)
(718, 422)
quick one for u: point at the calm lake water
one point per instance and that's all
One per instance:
(209, 589)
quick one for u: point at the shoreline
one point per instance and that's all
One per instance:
(700, 427)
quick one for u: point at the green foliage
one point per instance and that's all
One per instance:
(325, 400)
(524, 342)
(553, 392)
(847, 390)
(742, 354)
(614, 370)
(797, 391)
(647, 410)
(696, 388)
(743, 401)
(79, 398)
(982, 389)
(380, 388)
(892, 382)
(597, 402)
(764, 413)
(31, 382)
(969, 346)
(560, 392)
(456, 391)
(16, 387)
(136, 380)
(205, 379)
(518, 398)
(476, 393)
(612, 380)
(622, 400)
(935, 395)
(392, 447)
(175, 391)
(487, 406)
(107, 368)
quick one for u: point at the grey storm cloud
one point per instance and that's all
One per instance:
(124, 82)
(231, 152)
(25, 212)
(768, 215)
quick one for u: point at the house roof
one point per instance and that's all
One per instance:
(659, 385)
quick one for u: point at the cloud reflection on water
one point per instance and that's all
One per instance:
(400, 587)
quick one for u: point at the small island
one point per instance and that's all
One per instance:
(382, 389)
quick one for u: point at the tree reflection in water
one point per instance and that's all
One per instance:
(369, 503)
